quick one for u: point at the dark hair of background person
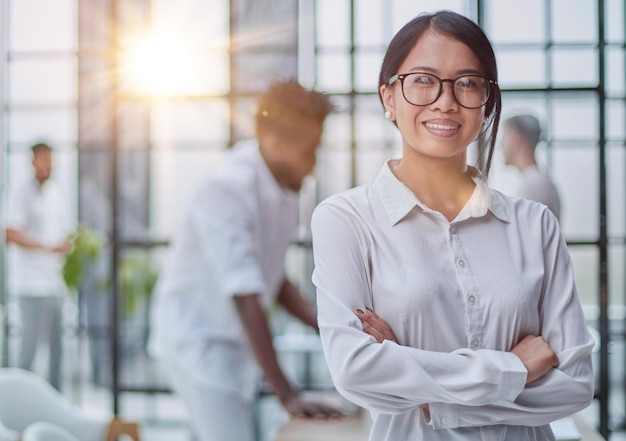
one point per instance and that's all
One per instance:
(465, 30)
(527, 127)
(40, 146)
(287, 107)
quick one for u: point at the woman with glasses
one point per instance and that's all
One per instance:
(446, 308)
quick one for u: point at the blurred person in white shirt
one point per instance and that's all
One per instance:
(209, 324)
(38, 227)
(520, 136)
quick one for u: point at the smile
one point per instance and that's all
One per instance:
(441, 126)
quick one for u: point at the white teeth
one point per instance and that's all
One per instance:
(440, 126)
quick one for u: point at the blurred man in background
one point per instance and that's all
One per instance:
(209, 323)
(38, 226)
(520, 136)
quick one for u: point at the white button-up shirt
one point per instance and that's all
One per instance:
(231, 241)
(458, 296)
(40, 211)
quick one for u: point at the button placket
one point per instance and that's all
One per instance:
(473, 312)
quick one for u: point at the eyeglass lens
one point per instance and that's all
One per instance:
(421, 89)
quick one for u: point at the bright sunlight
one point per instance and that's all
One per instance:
(162, 65)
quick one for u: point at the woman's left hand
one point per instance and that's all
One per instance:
(375, 326)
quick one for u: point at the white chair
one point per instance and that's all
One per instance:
(42, 431)
(7, 434)
(26, 398)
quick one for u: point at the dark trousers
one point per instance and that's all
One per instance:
(42, 319)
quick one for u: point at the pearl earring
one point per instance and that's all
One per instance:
(388, 114)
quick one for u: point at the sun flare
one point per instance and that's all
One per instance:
(160, 65)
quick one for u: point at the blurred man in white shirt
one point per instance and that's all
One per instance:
(520, 136)
(38, 227)
(209, 322)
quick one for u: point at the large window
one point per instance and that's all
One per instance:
(141, 97)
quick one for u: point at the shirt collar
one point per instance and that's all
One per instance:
(398, 200)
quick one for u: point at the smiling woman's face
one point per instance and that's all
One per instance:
(442, 129)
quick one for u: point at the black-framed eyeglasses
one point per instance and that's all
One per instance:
(422, 89)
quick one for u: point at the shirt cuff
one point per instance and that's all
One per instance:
(514, 374)
(245, 281)
(443, 416)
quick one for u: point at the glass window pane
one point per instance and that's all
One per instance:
(574, 67)
(337, 130)
(405, 10)
(617, 263)
(58, 126)
(19, 167)
(333, 171)
(369, 123)
(574, 21)
(243, 117)
(43, 25)
(186, 52)
(515, 21)
(333, 23)
(179, 69)
(333, 72)
(190, 121)
(614, 19)
(575, 118)
(253, 72)
(575, 173)
(616, 183)
(201, 19)
(174, 177)
(615, 117)
(519, 103)
(132, 126)
(42, 81)
(369, 162)
(367, 68)
(521, 68)
(368, 24)
(585, 260)
(614, 72)
(306, 44)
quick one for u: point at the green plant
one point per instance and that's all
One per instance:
(86, 245)
(137, 277)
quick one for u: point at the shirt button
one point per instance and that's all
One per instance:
(472, 299)
(474, 342)
(445, 421)
(461, 263)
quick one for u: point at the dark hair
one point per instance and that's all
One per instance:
(286, 107)
(526, 126)
(41, 146)
(466, 31)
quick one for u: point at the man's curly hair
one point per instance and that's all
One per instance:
(286, 108)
